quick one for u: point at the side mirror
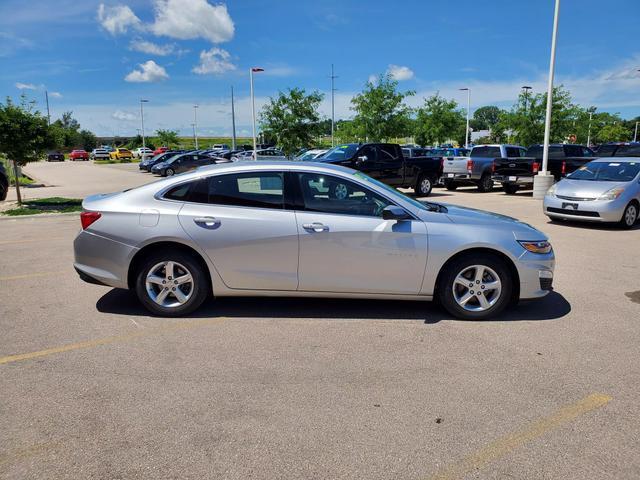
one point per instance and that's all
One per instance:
(395, 213)
(362, 159)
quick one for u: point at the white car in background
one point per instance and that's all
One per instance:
(311, 154)
(267, 154)
(99, 153)
(142, 153)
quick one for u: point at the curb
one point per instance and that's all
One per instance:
(37, 215)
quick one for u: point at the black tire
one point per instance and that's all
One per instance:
(169, 172)
(424, 186)
(629, 216)
(486, 183)
(510, 188)
(199, 289)
(451, 270)
(450, 185)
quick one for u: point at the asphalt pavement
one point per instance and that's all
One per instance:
(93, 387)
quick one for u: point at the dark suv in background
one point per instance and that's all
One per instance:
(4, 182)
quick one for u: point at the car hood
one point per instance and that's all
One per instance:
(471, 216)
(585, 188)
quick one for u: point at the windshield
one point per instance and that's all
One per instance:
(171, 159)
(607, 172)
(341, 152)
(421, 205)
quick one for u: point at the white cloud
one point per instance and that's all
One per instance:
(151, 48)
(25, 86)
(123, 115)
(149, 71)
(216, 61)
(117, 19)
(373, 79)
(55, 94)
(189, 19)
(400, 73)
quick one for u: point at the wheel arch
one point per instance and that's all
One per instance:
(487, 251)
(159, 246)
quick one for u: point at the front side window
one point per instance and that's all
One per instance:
(255, 189)
(329, 194)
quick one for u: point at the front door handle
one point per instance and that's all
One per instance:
(316, 227)
(207, 222)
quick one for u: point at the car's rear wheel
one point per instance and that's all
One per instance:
(510, 188)
(169, 172)
(171, 284)
(450, 185)
(630, 216)
(475, 287)
(486, 183)
(424, 186)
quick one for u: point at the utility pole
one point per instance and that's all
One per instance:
(589, 129)
(526, 89)
(195, 125)
(333, 111)
(144, 146)
(543, 181)
(46, 96)
(635, 135)
(468, 90)
(233, 122)
(253, 109)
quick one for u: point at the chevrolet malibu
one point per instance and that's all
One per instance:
(605, 190)
(304, 229)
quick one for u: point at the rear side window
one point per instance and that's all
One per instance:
(387, 152)
(630, 150)
(255, 189)
(180, 192)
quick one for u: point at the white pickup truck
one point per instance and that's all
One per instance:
(477, 168)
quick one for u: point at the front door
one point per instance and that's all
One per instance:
(239, 220)
(346, 246)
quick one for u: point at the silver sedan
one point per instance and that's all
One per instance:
(304, 229)
(604, 190)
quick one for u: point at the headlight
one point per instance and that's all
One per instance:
(611, 194)
(552, 189)
(537, 247)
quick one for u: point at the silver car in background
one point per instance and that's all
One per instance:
(604, 190)
(304, 229)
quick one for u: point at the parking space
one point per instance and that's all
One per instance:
(93, 387)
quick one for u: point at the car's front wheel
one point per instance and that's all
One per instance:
(630, 216)
(486, 183)
(171, 284)
(169, 172)
(475, 287)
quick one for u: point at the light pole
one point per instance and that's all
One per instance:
(635, 134)
(253, 108)
(195, 125)
(143, 101)
(468, 90)
(333, 111)
(233, 122)
(526, 89)
(589, 130)
(543, 181)
(46, 96)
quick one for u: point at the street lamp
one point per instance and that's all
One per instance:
(526, 89)
(543, 181)
(143, 101)
(195, 125)
(253, 108)
(468, 90)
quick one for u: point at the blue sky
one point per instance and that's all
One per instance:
(99, 58)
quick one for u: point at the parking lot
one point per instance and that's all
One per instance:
(93, 387)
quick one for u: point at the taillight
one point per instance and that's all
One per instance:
(536, 167)
(564, 168)
(469, 166)
(493, 167)
(87, 218)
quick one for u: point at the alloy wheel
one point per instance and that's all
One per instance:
(631, 215)
(477, 288)
(425, 186)
(169, 284)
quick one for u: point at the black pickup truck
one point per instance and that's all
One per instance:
(516, 172)
(386, 163)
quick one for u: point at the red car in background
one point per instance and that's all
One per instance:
(160, 150)
(78, 155)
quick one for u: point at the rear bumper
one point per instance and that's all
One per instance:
(513, 179)
(101, 260)
(599, 211)
(460, 177)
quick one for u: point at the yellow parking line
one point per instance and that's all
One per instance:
(108, 340)
(534, 430)
(29, 275)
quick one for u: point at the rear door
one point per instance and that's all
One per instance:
(346, 246)
(239, 220)
(390, 164)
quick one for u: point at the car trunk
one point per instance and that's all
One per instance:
(455, 165)
(521, 166)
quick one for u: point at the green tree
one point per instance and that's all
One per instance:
(486, 118)
(615, 132)
(167, 138)
(24, 134)
(70, 130)
(380, 110)
(292, 118)
(88, 140)
(439, 120)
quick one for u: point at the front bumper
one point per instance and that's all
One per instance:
(101, 260)
(536, 274)
(603, 211)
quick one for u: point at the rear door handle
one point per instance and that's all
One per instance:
(207, 222)
(316, 227)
